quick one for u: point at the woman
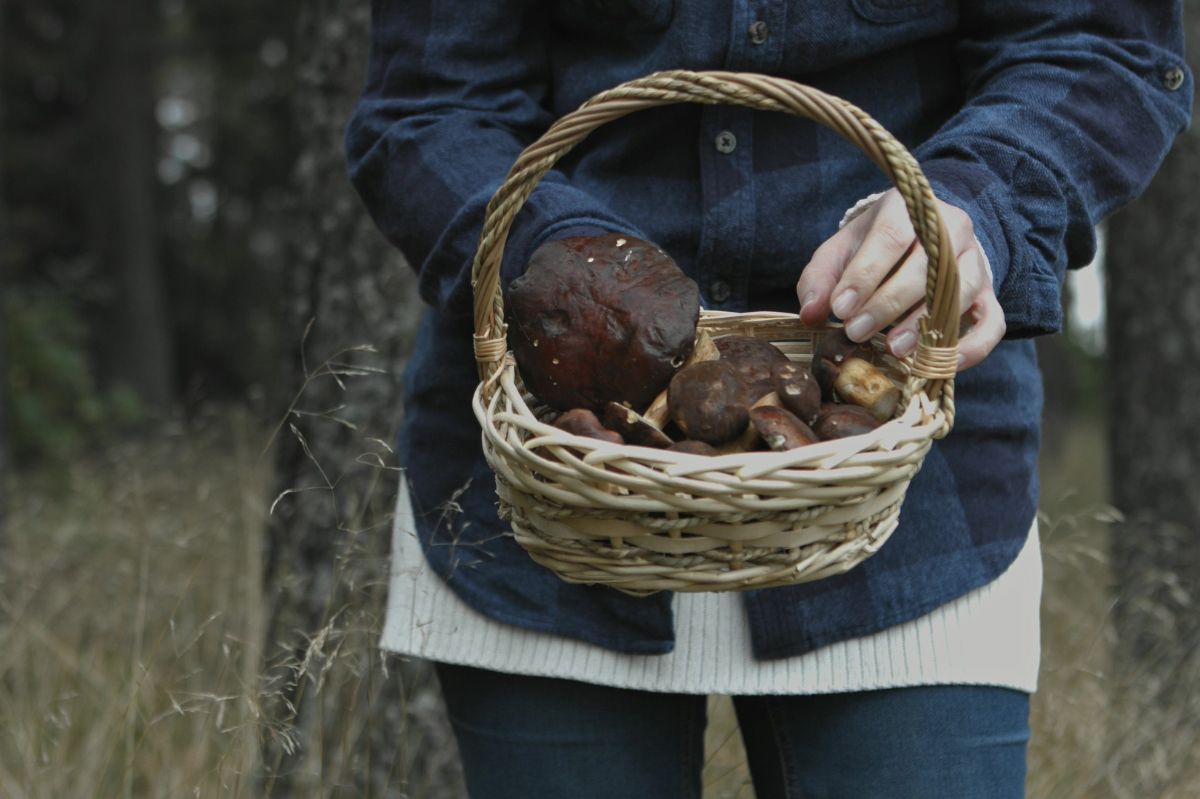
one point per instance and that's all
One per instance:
(910, 675)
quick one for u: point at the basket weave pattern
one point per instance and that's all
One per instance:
(645, 520)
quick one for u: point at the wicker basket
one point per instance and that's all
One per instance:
(644, 520)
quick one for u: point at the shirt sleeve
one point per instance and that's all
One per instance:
(1071, 107)
(455, 89)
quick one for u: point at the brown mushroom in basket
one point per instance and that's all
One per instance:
(754, 359)
(659, 414)
(781, 428)
(708, 402)
(797, 390)
(633, 427)
(831, 352)
(842, 421)
(693, 447)
(600, 319)
(865, 385)
(582, 422)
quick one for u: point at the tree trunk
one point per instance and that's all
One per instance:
(137, 351)
(4, 236)
(341, 723)
(1154, 355)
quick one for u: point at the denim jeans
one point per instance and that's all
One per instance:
(540, 738)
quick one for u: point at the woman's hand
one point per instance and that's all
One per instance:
(871, 274)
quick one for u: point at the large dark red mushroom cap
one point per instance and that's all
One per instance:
(601, 319)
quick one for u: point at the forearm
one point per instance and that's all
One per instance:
(454, 93)
(1070, 111)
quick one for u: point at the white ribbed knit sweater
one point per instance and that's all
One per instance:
(989, 637)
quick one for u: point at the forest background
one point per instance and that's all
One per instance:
(201, 344)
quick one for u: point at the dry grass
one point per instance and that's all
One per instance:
(130, 621)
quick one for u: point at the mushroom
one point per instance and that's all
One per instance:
(754, 359)
(708, 402)
(600, 319)
(798, 390)
(749, 439)
(633, 427)
(658, 414)
(692, 447)
(865, 385)
(780, 428)
(582, 422)
(831, 352)
(842, 421)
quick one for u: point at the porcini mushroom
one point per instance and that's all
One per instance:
(600, 319)
(842, 421)
(658, 414)
(780, 428)
(754, 359)
(708, 402)
(797, 390)
(831, 352)
(865, 385)
(582, 422)
(692, 447)
(633, 427)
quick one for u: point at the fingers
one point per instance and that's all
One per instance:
(974, 278)
(872, 275)
(898, 294)
(889, 237)
(988, 330)
(814, 289)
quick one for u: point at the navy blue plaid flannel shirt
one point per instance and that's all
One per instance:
(1036, 117)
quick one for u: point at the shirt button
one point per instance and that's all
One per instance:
(726, 142)
(1173, 78)
(719, 290)
(759, 32)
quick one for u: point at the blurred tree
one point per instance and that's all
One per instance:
(230, 143)
(135, 343)
(54, 285)
(1154, 418)
(341, 722)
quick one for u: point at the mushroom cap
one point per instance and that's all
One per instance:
(633, 427)
(842, 421)
(780, 428)
(596, 319)
(693, 447)
(833, 348)
(582, 422)
(754, 359)
(708, 402)
(798, 390)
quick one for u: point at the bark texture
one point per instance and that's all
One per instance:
(342, 719)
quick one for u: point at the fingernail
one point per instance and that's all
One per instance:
(961, 360)
(845, 303)
(860, 326)
(904, 343)
(808, 300)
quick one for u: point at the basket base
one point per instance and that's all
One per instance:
(638, 572)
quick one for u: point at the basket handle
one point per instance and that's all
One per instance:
(936, 355)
